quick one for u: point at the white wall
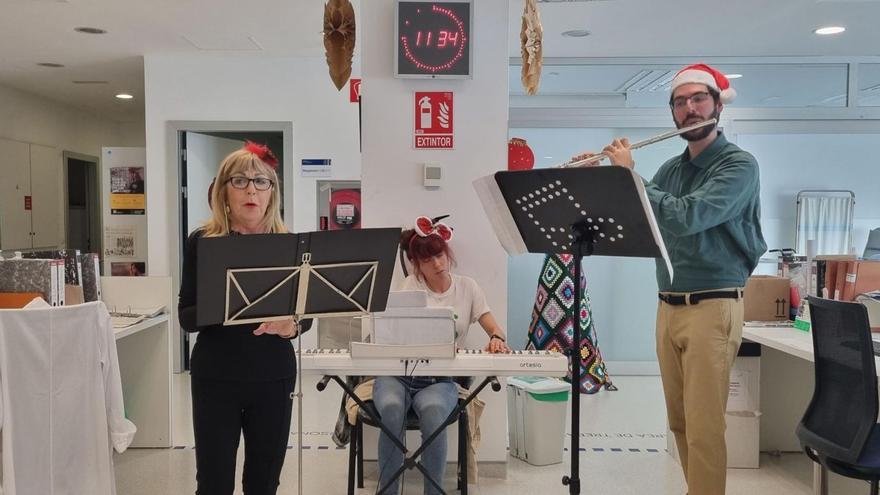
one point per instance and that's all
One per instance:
(225, 88)
(392, 191)
(33, 119)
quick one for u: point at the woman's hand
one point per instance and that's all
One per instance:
(286, 329)
(497, 345)
(497, 340)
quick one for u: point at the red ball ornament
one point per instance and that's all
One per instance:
(519, 155)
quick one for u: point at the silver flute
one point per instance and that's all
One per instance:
(651, 140)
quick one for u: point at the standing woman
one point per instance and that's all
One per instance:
(432, 397)
(242, 376)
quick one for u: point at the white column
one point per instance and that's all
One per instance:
(393, 194)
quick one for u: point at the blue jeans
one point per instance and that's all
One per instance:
(433, 399)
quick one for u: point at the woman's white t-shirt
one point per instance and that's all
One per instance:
(464, 296)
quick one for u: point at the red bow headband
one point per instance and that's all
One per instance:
(427, 226)
(263, 153)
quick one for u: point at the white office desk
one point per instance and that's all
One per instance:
(788, 340)
(144, 351)
(787, 380)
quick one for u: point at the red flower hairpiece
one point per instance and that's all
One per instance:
(263, 153)
(426, 226)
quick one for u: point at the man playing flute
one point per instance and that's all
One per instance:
(707, 205)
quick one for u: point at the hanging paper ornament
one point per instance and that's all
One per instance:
(519, 155)
(531, 39)
(339, 36)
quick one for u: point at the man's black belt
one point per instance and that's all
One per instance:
(696, 297)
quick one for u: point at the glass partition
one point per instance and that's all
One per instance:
(869, 85)
(647, 86)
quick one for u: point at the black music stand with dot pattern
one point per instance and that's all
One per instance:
(586, 211)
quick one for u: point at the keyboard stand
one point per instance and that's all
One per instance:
(411, 461)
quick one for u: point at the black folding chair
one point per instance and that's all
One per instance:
(356, 446)
(839, 429)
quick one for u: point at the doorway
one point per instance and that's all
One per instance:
(82, 208)
(201, 152)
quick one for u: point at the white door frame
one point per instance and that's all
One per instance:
(172, 130)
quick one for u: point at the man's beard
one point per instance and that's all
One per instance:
(702, 132)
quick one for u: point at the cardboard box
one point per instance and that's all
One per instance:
(767, 298)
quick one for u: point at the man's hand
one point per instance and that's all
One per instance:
(584, 156)
(620, 154)
(287, 329)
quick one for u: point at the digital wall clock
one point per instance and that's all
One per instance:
(433, 39)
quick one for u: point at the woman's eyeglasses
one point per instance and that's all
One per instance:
(260, 183)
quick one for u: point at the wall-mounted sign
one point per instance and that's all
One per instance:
(354, 90)
(315, 167)
(433, 39)
(433, 128)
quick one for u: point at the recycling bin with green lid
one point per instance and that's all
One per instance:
(536, 408)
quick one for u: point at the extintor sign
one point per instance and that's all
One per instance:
(433, 128)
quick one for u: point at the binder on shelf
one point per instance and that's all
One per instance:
(862, 276)
(33, 275)
(842, 270)
(91, 276)
(72, 265)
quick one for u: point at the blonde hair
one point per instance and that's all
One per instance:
(237, 162)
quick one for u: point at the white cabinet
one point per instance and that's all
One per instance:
(30, 196)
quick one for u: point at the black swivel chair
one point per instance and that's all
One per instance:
(356, 449)
(839, 430)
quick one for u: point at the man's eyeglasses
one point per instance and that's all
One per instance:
(260, 183)
(680, 102)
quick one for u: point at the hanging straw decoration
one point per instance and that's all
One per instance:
(531, 37)
(339, 35)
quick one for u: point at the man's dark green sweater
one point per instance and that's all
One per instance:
(708, 210)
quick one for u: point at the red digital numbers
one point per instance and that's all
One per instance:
(444, 38)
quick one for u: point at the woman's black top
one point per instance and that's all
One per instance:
(230, 352)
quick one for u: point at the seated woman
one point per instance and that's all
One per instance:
(431, 397)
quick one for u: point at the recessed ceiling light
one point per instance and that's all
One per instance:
(50, 64)
(733, 76)
(90, 30)
(124, 96)
(576, 33)
(824, 31)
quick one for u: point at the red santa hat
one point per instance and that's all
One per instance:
(703, 74)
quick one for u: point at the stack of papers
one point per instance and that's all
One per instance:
(131, 315)
(124, 321)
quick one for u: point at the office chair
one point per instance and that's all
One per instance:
(872, 247)
(356, 446)
(839, 429)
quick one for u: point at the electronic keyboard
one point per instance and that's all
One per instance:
(466, 362)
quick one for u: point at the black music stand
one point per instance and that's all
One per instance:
(594, 211)
(244, 279)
